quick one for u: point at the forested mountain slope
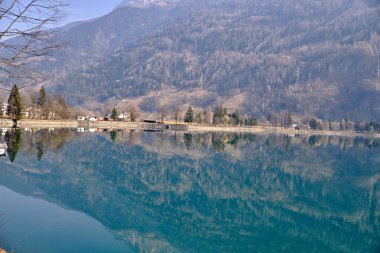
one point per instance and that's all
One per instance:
(311, 57)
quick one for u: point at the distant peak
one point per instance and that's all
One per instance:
(145, 3)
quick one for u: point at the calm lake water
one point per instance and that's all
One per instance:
(173, 192)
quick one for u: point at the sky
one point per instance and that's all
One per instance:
(77, 10)
(87, 9)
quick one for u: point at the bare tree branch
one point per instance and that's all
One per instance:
(26, 32)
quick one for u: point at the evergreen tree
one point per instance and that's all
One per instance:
(289, 119)
(269, 118)
(250, 121)
(218, 115)
(14, 104)
(42, 98)
(313, 124)
(235, 118)
(41, 103)
(114, 114)
(189, 116)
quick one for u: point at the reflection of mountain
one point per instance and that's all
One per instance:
(265, 199)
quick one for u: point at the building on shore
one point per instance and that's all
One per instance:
(4, 108)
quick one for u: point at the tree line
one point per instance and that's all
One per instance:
(314, 123)
(219, 116)
(39, 105)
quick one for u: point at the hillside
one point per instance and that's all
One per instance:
(311, 57)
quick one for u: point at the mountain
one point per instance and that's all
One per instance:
(311, 57)
(91, 40)
(144, 3)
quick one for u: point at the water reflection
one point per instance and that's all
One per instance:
(211, 192)
(33, 141)
(13, 140)
(113, 135)
(36, 141)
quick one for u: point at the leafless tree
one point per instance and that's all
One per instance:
(177, 113)
(60, 107)
(209, 115)
(163, 111)
(134, 111)
(26, 32)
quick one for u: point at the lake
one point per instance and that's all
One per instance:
(133, 191)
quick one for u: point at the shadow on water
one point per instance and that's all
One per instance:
(212, 192)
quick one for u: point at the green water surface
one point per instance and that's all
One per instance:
(131, 191)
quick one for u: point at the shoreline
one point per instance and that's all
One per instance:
(280, 130)
(190, 128)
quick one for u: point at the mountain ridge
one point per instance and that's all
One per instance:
(312, 58)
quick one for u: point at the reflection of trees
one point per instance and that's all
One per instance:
(287, 142)
(234, 140)
(38, 142)
(221, 141)
(13, 139)
(221, 203)
(113, 135)
(313, 140)
(40, 150)
(218, 142)
(188, 139)
(133, 138)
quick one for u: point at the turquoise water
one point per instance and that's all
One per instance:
(174, 192)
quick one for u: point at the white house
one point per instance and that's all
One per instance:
(122, 117)
(93, 118)
(4, 108)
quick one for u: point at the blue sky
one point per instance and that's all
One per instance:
(77, 10)
(87, 9)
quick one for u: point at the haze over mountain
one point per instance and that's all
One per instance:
(311, 57)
